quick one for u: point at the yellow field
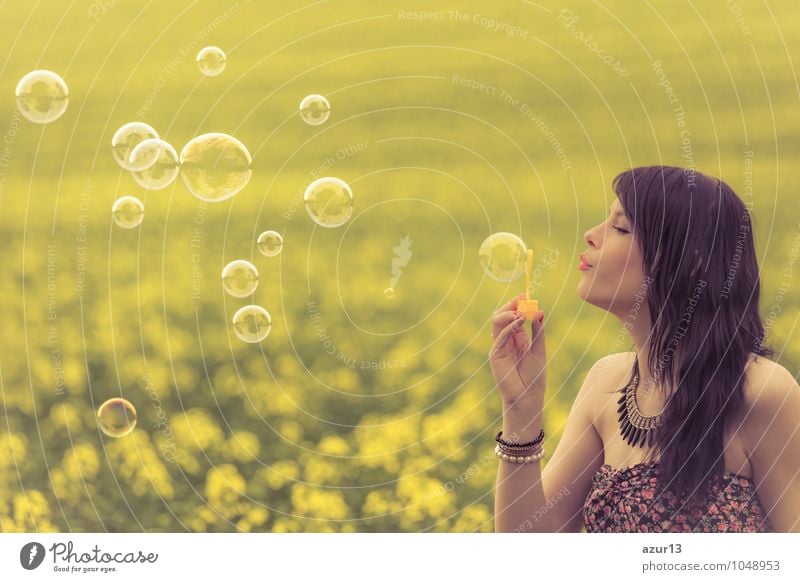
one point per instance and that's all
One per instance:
(357, 413)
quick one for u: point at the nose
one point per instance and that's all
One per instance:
(587, 236)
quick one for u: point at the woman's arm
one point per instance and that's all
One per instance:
(772, 437)
(529, 499)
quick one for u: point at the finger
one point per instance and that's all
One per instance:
(501, 320)
(536, 355)
(537, 347)
(511, 305)
(502, 347)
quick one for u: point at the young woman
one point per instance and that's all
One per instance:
(694, 430)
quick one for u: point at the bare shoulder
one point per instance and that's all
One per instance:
(767, 385)
(609, 370)
(615, 362)
(605, 377)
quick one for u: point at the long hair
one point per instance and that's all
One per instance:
(703, 291)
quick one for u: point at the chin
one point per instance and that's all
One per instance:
(592, 300)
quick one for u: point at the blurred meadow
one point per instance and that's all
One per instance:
(357, 413)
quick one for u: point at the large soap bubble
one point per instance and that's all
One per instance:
(503, 257)
(329, 202)
(215, 166)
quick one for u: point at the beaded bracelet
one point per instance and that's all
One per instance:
(520, 451)
(509, 444)
(519, 459)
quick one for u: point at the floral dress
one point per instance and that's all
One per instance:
(623, 500)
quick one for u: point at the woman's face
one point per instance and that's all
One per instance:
(615, 281)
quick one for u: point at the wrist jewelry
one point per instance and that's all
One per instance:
(534, 442)
(519, 459)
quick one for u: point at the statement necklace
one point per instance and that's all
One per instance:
(635, 427)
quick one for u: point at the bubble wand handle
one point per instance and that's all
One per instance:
(528, 307)
(528, 273)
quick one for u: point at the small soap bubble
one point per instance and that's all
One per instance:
(329, 202)
(389, 293)
(42, 96)
(215, 166)
(116, 417)
(211, 61)
(128, 211)
(160, 162)
(315, 109)
(239, 278)
(503, 257)
(126, 138)
(270, 243)
(252, 323)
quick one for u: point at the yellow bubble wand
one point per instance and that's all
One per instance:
(528, 307)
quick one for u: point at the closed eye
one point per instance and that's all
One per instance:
(620, 229)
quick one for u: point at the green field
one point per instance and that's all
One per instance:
(357, 413)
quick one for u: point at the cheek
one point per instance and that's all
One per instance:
(632, 272)
(623, 264)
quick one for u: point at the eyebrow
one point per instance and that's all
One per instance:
(618, 213)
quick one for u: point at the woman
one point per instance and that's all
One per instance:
(694, 430)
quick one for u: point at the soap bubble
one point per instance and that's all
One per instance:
(270, 243)
(215, 166)
(315, 109)
(116, 417)
(211, 61)
(252, 323)
(160, 162)
(126, 138)
(128, 211)
(389, 293)
(329, 202)
(503, 257)
(240, 278)
(42, 96)
(145, 154)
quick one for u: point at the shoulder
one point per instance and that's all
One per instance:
(767, 383)
(617, 362)
(605, 377)
(772, 441)
(609, 370)
(772, 395)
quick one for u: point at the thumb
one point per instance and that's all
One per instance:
(537, 346)
(533, 367)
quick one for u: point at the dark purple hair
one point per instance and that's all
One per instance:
(703, 290)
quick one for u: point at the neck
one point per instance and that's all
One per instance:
(650, 388)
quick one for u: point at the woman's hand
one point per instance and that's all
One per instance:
(518, 362)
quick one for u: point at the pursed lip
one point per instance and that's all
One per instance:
(584, 262)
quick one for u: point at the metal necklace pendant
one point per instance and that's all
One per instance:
(636, 428)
